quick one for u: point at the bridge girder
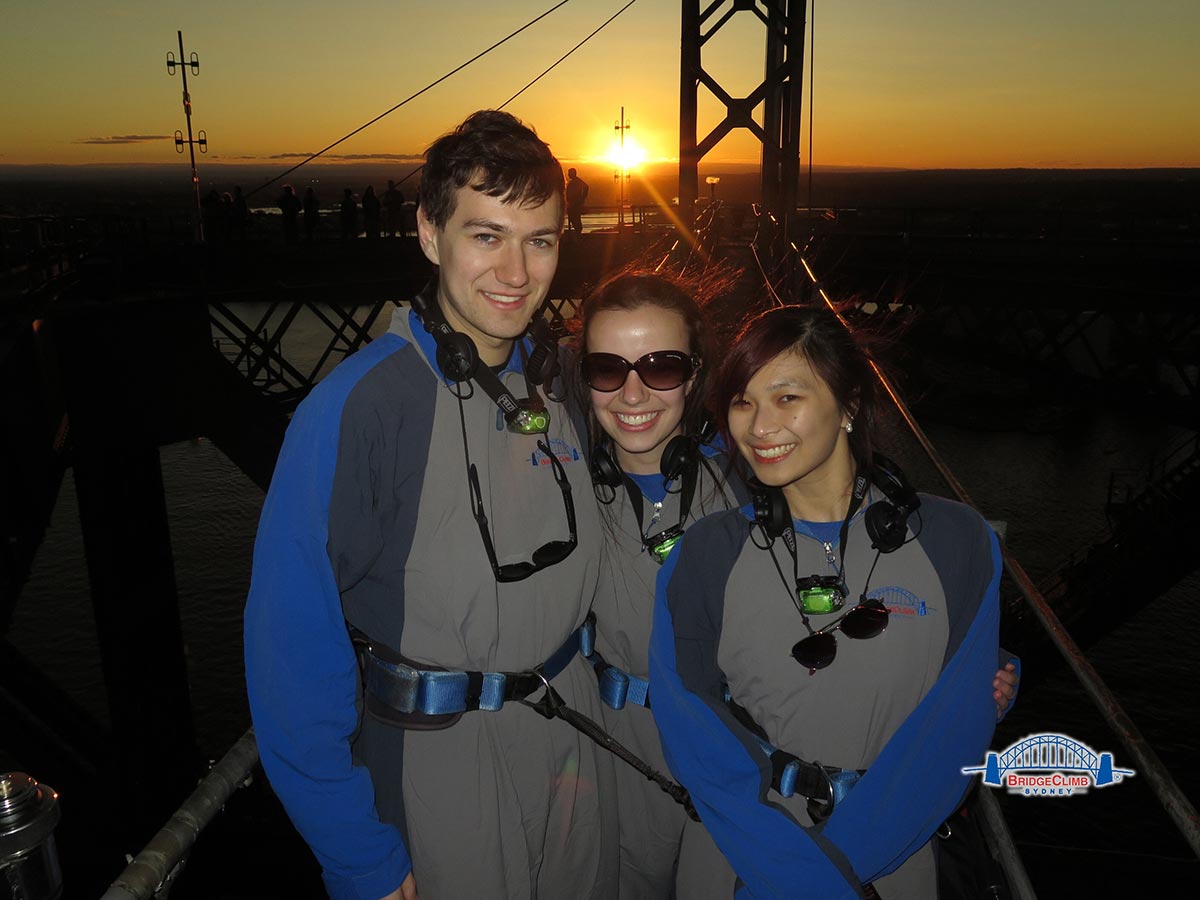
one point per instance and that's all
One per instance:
(780, 93)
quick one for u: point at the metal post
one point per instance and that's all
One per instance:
(621, 175)
(780, 94)
(689, 80)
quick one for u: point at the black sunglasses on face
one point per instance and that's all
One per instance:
(661, 370)
(545, 556)
(867, 620)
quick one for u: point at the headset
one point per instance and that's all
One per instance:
(457, 355)
(458, 358)
(886, 520)
(681, 455)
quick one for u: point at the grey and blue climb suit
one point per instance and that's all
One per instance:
(368, 522)
(652, 825)
(911, 706)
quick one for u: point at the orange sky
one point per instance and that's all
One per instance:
(923, 84)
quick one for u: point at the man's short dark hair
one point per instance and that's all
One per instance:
(494, 153)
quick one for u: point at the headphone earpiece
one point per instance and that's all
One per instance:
(680, 454)
(771, 512)
(457, 355)
(683, 451)
(605, 472)
(543, 365)
(887, 520)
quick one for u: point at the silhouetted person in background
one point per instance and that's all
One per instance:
(240, 215)
(577, 191)
(393, 210)
(210, 213)
(370, 207)
(349, 215)
(225, 217)
(289, 206)
(312, 214)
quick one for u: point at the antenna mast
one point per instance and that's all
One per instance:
(201, 138)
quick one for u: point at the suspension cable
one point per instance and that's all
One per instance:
(427, 87)
(568, 53)
(539, 77)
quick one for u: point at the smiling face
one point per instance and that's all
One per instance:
(791, 430)
(639, 420)
(496, 261)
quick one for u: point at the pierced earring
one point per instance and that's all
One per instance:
(849, 426)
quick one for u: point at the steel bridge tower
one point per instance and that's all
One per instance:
(779, 93)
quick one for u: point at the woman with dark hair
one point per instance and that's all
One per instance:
(646, 355)
(832, 642)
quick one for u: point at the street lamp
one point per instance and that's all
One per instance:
(712, 181)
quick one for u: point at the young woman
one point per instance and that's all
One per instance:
(645, 360)
(850, 622)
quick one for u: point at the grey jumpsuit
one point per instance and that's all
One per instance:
(369, 518)
(655, 831)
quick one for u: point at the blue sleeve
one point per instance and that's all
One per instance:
(894, 809)
(301, 671)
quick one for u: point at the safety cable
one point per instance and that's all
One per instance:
(539, 77)
(427, 87)
(568, 53)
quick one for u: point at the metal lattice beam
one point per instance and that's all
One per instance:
(779, 94)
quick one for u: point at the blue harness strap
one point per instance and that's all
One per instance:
(824, 786)
(618, 687)
(432, 692)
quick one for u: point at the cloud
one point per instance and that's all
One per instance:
(125, 139)
(348, 157)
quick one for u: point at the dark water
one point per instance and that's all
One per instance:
(1049, 488)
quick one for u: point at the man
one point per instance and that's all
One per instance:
(577, 191)
(393, 210)
(404, 506)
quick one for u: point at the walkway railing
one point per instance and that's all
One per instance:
(156, 866)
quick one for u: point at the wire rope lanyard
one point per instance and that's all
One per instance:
(551, 705)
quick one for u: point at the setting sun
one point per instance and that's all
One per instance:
(626, 157)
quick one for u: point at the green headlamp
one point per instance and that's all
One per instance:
(821, 593)
(528, 418)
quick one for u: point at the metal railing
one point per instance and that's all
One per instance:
(160, 861)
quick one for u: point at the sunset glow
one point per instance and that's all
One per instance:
(627, 156)
(927, 84)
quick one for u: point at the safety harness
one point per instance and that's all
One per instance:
(404, 686)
